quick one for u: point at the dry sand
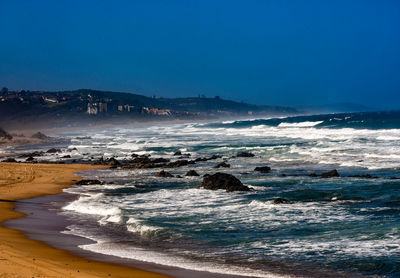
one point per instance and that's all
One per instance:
(23, 257)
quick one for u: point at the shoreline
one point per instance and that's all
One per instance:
(31, 244)
(24, 257)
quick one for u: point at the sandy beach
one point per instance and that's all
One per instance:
(23, 257)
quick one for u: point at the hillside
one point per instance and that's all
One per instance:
(92, 106)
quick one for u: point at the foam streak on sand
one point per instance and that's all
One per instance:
(23, 257)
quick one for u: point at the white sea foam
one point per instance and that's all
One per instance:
(175, 261)
(135, 225)
(301, 124)
(92, 205)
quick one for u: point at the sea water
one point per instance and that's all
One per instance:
(347, 226)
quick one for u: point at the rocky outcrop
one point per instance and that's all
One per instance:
(33, 154)
(177, 153)
(164, 174)
(180, 163)
(223, 181)
(263, 169)
(192, 173)
(144, 162)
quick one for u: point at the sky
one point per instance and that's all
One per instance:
(299, 52)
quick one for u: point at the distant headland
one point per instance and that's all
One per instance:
(89, 106)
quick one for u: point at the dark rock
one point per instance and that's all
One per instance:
(178, 176)
(113, 162)
(223, 181)
(177, 153)
(160, 160)
(283, 175)
(40, 136)
(73, 149)
(89, 182)
(5, 135)
(245, 154)
(330, 174)
(144, 162)
(30, 159)
(192, 173)
(164, 174)
(10, 160)
(180, 163)
(36, 153)
(366, 176)
(214, 157)
(395, 178)
(83, 138)
(53, 150)
(263, 169)
(281, 201)
(200, 159)
(313, 175)
(66, 156)
(223, 165)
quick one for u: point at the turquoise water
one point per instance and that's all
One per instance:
(344, 226)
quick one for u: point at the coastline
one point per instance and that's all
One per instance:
(23, 257)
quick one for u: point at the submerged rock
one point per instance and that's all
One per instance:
(366, 176)
(223, 165)
(281, 201)
(263, 169)
(89, 182)
(53, 150)
(192, 173)
(245, 154)
(164, 174)
(223, 181)
(330, 174)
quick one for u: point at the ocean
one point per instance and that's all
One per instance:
(345, 226)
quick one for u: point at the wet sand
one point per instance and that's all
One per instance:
(24, 257)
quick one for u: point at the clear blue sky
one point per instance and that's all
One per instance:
(272, 52)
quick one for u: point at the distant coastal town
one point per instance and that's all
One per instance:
(89, 105)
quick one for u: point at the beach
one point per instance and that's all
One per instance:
(320, 197)
(23, 257)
